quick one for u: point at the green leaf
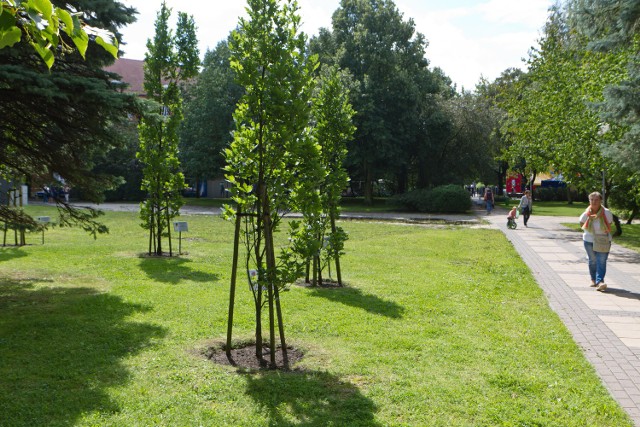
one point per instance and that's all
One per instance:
(10, 37)
(111, 48)
(45, 53)
(81, 40)
(44, 7)
(66, 19)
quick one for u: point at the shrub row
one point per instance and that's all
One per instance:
(561, 194)
(445, 199)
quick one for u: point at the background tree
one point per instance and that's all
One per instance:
(271, 160)
(386, 57)
(550, 116)
(169, 61)
(121, 161)
(612, 26)
(60, 121)
(209, 104)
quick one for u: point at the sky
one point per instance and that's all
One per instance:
(468, 39)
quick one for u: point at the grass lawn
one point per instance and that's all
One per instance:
(437, 327)
(553, 208)
(348, 204)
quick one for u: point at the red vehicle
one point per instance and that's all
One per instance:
(515, 182)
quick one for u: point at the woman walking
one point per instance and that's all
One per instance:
(525, 206)
(489, 200)
(596, 223)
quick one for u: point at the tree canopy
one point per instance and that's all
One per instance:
(42, 24)
(56, 122)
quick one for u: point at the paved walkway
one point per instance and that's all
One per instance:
(605, 325)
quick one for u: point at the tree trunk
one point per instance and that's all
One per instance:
(314, 280)
(319, 271)
(634, 212)
(151, 236)
(168, 215)
(616, 221)
(159, 231)
(337, 257)
(283, 344)
(368, 185)
(306, 277)
(232, 287)
(271, 270)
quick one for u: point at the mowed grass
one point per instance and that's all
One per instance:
(437, 327)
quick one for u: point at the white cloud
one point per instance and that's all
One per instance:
(466, 42)
(523, 13)
(479, 40)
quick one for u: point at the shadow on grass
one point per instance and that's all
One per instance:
(173, 270)
(356, 298)
(310, 399)
(7, 253)
(61, 349)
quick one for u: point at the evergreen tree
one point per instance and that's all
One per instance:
(169, 61)
(48, 27)
(57, 122)
(612, 26)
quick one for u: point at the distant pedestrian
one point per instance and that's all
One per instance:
(489, 200)
(66, 191)
(596, 223)
(46, 192)
(525, 205)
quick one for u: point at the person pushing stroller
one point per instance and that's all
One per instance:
(511, 218)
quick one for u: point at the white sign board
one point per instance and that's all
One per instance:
(180, 226)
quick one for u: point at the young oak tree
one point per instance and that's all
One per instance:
(317, 237)
(272, 158)
(170, 60)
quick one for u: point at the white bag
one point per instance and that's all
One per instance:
(601, 243)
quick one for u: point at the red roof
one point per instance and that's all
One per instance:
(131, 72)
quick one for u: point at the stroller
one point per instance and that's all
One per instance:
(511, 218)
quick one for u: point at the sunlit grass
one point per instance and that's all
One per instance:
(436, 327)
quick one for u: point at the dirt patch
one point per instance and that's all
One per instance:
(244, 357)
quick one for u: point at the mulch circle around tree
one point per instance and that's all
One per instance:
(244, 357)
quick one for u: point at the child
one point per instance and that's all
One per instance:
(511, 218)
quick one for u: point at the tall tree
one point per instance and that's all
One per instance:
(612, 26)
(170, 59)
(57, 121)
(387, 59)
(272, 154)
(209, 105)
(550, 121)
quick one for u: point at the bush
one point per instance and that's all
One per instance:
(550, 194)
(444, 199)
